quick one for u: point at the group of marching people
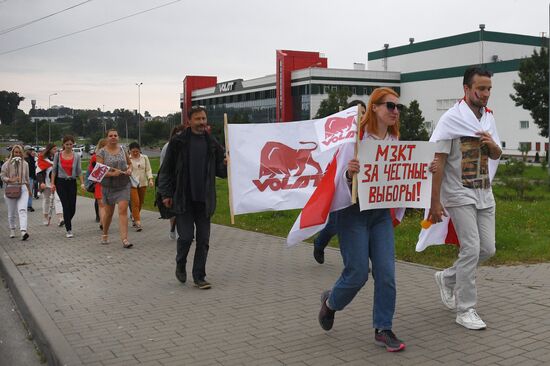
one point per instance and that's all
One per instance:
(193, 159)
(58, 173)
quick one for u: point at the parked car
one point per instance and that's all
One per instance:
(78, 150)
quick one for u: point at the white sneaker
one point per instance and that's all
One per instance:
(172, 235)
(470, 320)
(12, 233)
(45, 222)
(70, 234)
(447, 296)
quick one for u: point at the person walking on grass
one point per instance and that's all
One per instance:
(115, 187)
(142, 176)
(468, 154)
(66, 170)
(187, 184)
(15, 172)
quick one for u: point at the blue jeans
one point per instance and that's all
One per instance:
(31, 184)
(322, 240)
(364, 235)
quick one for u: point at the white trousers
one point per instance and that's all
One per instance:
(46, 195)
(18, 207)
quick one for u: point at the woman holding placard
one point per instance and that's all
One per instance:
(368, 234)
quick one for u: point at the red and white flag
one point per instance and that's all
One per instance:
(332, 194)
(458, 121)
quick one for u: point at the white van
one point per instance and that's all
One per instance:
(78, 150)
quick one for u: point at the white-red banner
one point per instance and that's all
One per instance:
(395, 174)
(277, 166)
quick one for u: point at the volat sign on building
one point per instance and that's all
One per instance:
(229, 86)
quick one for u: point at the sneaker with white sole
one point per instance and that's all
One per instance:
(471, 320)
(447, 296)
(70, 234)
(45, 222)
(12, 233)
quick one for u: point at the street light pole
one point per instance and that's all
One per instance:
(49, 119)
(548, 50)
(139, 111)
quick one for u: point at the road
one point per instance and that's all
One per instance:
(15, 347)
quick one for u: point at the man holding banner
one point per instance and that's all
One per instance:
(187, 184)
(469, 149)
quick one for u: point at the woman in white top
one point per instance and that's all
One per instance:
(43, 175)
(15, 172)
(142, 176)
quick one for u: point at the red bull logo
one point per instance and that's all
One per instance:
(338, 128)
(278, 159)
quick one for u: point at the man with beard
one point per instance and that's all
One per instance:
(468, 153)
(187, 184)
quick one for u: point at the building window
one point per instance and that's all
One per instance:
(525, 146)
(428, 125)
(503, 144)
(444, 104)
(537, 146)
(524, 125)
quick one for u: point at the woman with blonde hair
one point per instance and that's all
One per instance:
(15, 173)
(115, 186)
(368, 234)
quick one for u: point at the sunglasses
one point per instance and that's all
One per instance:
(391, 106)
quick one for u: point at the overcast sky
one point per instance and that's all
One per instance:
(226, 38)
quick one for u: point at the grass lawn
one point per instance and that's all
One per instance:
(522, 227)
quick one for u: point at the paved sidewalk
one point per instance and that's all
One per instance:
(95, 305)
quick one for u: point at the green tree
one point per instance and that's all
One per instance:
(337, 99)
(532, 89)
(9, 102)
(412, 124)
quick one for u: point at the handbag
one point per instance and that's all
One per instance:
(13, 191)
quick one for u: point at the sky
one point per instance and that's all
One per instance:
(230, 39)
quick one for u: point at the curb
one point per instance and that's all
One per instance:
(47, 336)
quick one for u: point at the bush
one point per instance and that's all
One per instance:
(514, 168)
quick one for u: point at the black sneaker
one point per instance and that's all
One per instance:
(386, 338)
(30, 209)
(25, 236)
(319, 255)
(326, 315)
(61, 223)
(203, 285)
(181, 274)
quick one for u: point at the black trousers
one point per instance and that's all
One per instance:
(66, 190)
(194, 218)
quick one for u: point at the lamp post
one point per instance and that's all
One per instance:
(139, 111)
(49, 119)
(548, 49)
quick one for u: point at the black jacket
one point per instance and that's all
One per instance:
(173, 182)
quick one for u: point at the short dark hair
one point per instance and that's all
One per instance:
(356, 102)
(472, 71)
(195, 109)
(134, 145)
